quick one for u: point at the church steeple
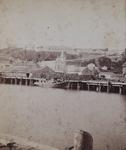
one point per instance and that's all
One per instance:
(60, 65)
(62, 55)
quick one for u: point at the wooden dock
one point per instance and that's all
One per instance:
(19, 80)
(89, 85)
(94, 85)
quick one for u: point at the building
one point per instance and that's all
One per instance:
(15, 71)
(88, 74)
(91, 66)
(73, 69)
(60, 64)
(124, 69)
(50, 64)
(19, 69)
(106, 75)
(105, 68)
(43, 72)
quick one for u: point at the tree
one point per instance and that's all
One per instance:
(117, 66)
(104, 61)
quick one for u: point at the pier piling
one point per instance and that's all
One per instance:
(120, 90)
(78, 86)
(88, 86)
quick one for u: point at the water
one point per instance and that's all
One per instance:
(50, 116)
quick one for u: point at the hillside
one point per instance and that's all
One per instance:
(113, 61)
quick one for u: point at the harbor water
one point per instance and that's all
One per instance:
(50, 116)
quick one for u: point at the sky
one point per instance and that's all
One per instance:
(69, 23)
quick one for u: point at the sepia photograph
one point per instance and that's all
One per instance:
(62, 74)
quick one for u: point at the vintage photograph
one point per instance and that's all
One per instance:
(62, 74)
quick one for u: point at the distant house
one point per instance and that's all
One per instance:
(89, 74)
(124, 69)
(43, 72)
(15, 71)
(72, 69)
(50, 64)
(91, 66)
(4, 65)
(105, 68)
(19, 70)
(107, 75)
(86, 72)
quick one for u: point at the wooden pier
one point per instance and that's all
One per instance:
(89, 85)
(94, 85)
(18, 80)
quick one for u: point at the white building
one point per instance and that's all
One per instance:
(91, 66)
(50, 64)
(71, 69)
(60, 64)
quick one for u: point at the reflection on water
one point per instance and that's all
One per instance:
(51, 116)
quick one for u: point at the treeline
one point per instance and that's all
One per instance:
(32, 55)
(40, 55)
